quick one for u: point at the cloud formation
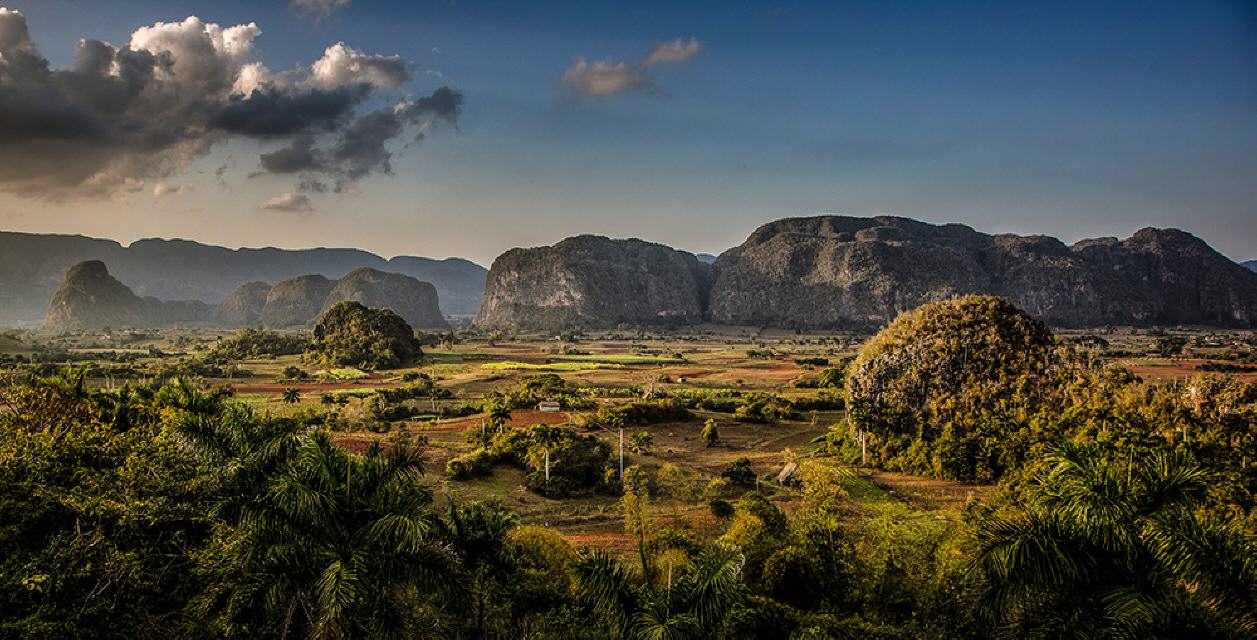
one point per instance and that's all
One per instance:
(676, 51)
(318, 9)
(291, 202)
(605, 78)
(123, 116)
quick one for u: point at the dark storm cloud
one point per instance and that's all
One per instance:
(123, 116)
(300, 156)
(274, 112)
(361, 147)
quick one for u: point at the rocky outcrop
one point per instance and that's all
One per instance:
(846, 272)
(592, 281)
(243, 307)
(296, 302)
(299, 301)
(90, 298)
(414, 301)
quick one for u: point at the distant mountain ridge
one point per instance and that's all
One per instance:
(33, 265)
(90, 298)
(1250, 264)
(844, 272)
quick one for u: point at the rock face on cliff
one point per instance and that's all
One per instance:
(90, 298)
(299, 301)
(592, 281)
(243, 306)
(840, 272)
(295, 302)
(414, 301)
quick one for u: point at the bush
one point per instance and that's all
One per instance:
(739, 472)
(645, 412)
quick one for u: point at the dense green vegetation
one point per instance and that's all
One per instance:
(353, 335)
(168, 508)
(256, 343)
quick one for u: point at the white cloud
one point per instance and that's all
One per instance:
(342, 65)
(163, 189)
(119, 118)
(602, 78)
(678, 50)
(297, 202)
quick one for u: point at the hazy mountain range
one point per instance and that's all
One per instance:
(33, 265)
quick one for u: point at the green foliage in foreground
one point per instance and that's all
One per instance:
(1102, 547)
(178, 512)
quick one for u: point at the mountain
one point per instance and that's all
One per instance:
(90, 298)
(300, 301)
(414, 301)
(296, 301)
(838, 271)
(1250, 264)
(593, 281)
(244, 305)
(32, 266)
(705, 258)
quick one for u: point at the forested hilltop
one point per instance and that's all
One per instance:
(365, 481)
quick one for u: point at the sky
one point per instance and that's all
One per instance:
(467, 127)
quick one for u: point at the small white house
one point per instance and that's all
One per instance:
(548, 406)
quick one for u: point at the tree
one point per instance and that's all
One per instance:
(546, 437)
(634, 503)
(291, 396)
(336, 545)
(1106, 547)
(711, 436)
(478, 534)
(692, 606)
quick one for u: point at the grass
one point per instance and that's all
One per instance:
(625, 358)
(550, 366)
(348, 373)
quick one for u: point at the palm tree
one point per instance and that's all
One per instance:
(478, 533)
(692, 606)
(339, 545)
(291, 396)
(547, 436)
(1117, 548)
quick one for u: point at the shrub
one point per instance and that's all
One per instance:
(739, 472)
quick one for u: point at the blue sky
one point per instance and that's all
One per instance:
(1074, 119)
